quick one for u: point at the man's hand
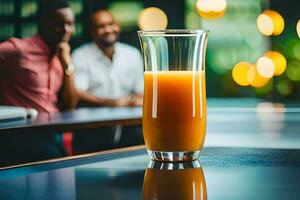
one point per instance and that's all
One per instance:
(64, 54)
(121, 102)
(68, 96)
(132, 100)
(137, 100)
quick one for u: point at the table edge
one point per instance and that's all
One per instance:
(72, 126)
(77, 157)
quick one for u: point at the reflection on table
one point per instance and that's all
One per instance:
(164, 181)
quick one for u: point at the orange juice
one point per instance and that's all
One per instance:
(174, 110)
(174, 184)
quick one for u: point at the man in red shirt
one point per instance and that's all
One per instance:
(36, 72)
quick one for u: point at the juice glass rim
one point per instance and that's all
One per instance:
(172, 32)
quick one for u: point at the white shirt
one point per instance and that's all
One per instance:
(98, 75)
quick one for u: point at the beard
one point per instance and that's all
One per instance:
(108, 41)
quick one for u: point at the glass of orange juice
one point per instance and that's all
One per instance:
(174, 107)
(165, 181)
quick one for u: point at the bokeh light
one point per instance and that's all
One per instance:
(152, 18)
(240, 73)
(296, 51)
(260, 73)
(270, 22)
(211, 9)
(279, 61)
(257, 75)
(127, 20)
(293, 70)
(298, 28)
(277, 20)
(265, 67)
(285, 87)
(265, 24)
(255, 79)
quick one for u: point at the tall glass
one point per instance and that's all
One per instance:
(174, 108)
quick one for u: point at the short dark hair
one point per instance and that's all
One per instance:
(48, 7)
(91, 20)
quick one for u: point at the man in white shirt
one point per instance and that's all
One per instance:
(107, 72)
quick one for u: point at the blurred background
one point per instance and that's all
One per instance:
(253, 48)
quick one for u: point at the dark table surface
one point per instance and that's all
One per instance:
(82, 118)
(251, 152)
(229, 173)
(86, 118)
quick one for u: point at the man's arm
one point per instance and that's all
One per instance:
(68, 95)
(136, 99)
(91, 100)
(8, 54)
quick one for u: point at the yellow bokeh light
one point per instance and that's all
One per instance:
(270, 22)
(260, 73)
(265, 67)
(257, 75)
(278, 60)
(240, 72)
(277, 20)
(211, 9)
(265, 24)
(152, 18)
(298, 28)
(255, 79)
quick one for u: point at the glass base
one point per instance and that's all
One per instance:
(173, 156)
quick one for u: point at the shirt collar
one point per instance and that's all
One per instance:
(40, 42)
(101, 55)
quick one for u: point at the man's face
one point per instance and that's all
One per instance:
(104, 29)
(59, 27)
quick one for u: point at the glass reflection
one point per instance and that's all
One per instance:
(181, 181)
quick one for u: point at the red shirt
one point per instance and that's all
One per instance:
(28, 76)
